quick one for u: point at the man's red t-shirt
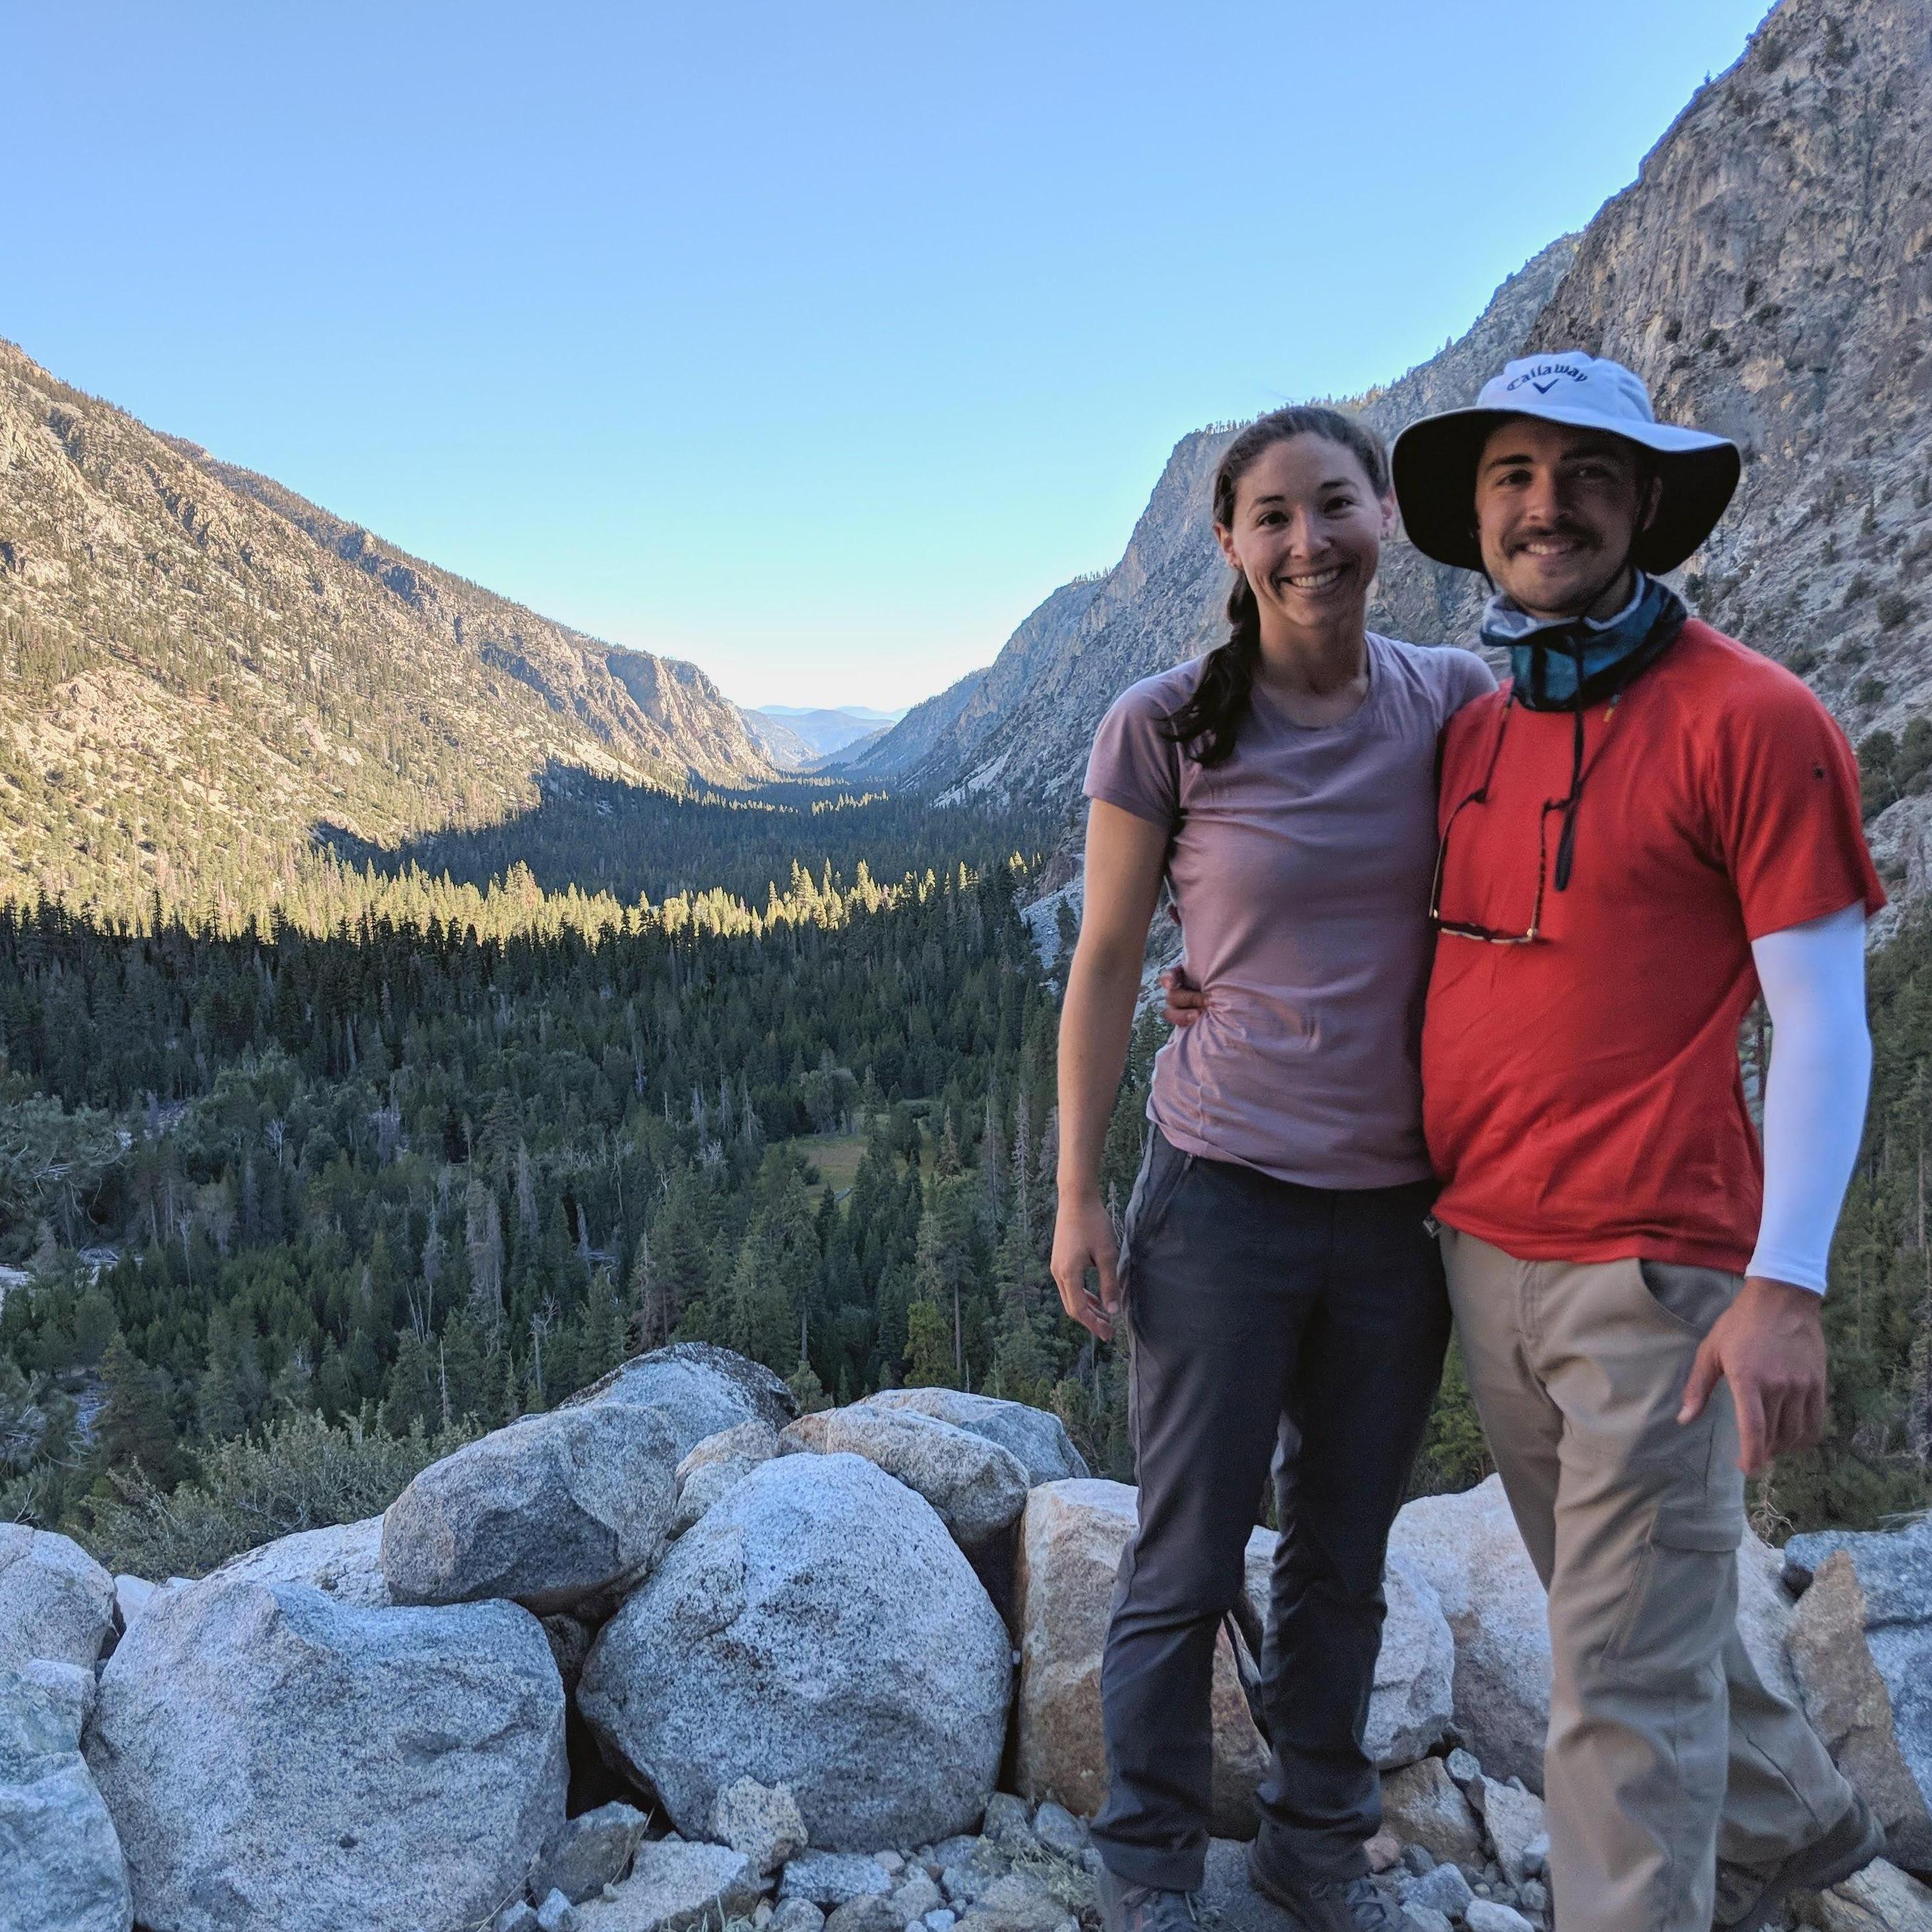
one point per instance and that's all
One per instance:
(1582, 1095)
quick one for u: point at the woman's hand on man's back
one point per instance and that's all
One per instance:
(1186, 1002)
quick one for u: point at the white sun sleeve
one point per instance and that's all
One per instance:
(1815, 1089)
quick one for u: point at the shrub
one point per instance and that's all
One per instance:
(298, 1473)
(1893, 610)
(1870, 689)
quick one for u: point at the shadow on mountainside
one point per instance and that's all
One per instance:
(600, 836)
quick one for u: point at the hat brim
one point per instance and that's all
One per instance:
(1433, 465)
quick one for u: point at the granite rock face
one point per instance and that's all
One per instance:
(675, 1887)
(1466, 1547)
(717, 1465)
(818, 1629)
(700, 1388)
(1860, 1646)
(550, 1512)
(61, 1867)
(344, 1562)
(1071, 1539)
(55, 1601)
(275, 1762)
(978, 1488)
(1037, 1436)
(485, 699)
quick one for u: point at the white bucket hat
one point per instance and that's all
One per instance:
(1434, 461)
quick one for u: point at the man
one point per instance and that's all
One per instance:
(1647, 824)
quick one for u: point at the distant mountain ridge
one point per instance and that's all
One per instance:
(799, 738)
(1769, 274)
(201, 671)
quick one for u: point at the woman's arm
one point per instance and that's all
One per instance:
(1126, 856)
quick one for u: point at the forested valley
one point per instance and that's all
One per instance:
(293, 1197)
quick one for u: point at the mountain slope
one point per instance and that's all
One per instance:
(1769, 274)
(199, 671)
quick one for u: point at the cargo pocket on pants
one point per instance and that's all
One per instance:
(1683, 1600)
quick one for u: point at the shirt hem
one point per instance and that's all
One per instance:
(1730, 1257)
(1397, 1175)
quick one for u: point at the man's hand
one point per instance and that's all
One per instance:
(1186, 1002)
(1083, 1239)
(1769, 1346)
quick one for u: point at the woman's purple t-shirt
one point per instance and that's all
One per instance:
(1300, 870)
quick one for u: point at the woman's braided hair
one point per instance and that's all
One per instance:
(1207, 724)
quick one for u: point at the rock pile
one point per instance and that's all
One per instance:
(793, 1643)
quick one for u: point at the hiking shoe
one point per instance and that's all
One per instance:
(1126, 1907)
(1747, 1895)
(1321, 1905)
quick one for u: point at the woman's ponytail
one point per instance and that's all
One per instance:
(1207, 726)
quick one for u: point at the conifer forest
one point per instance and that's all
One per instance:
(292, 1198)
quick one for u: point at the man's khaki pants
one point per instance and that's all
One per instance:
(1665, 1747)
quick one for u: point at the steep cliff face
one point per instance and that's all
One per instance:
(1769, 274)
(196, 662)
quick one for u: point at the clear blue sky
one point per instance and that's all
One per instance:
(814, 343)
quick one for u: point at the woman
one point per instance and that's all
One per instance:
(1277, 1267)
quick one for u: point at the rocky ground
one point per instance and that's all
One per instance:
(669, 1656)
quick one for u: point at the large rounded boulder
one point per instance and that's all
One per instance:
(817, 1629)
(701, 1389)
(978, 1488)
(551, 1511)
(1467, 1549)
(55, 1601)
(277, 1762)
(1036, 1435)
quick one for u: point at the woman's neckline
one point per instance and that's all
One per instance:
(1262, 697)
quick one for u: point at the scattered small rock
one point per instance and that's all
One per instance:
(1881, 1898)
(593, 1850)
(1057, 1829)
(796, 1914)
(675, 1886)
(1487, 1914)
(864, 1915)
(761, 1820)
(1445, 1889)
(1014, 1904)
(914, 1897)
(833, 1878)
(1006, 1823)
(1421, 1806)
(1513, 1818)
(1418, 1859)
(557, 1914)
(1463, 1767)
(1424, 1918)
(1384, 1850)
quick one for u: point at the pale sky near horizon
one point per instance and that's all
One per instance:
(817, 345)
